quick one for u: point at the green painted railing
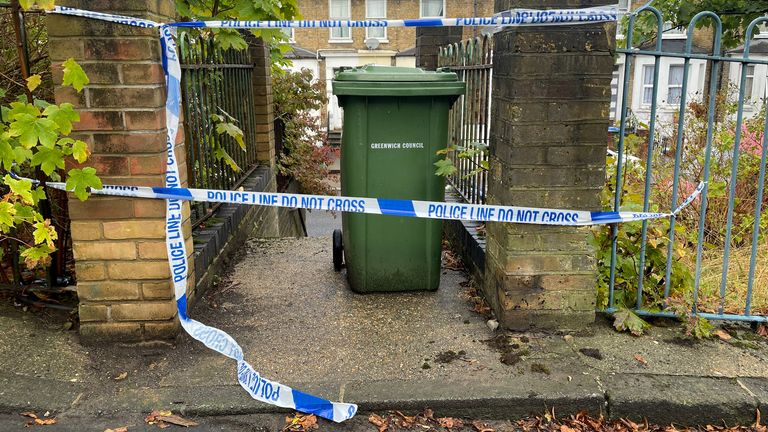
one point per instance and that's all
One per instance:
(215, 80)
(469, 120)
(732, 302)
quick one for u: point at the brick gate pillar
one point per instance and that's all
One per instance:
(123, 278)
(551, 98)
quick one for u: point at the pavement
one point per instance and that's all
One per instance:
(299, 324)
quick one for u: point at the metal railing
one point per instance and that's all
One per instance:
(723, 256)
(215, 81)
(469, 120)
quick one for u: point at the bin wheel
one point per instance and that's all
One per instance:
(338, 250)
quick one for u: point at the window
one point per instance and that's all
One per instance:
(432, 8)
(749, 83)
(288, 32)
(376, 9)
(623, 6)
(339, 9)
(675, 84)
(674, 32)
(648, 84)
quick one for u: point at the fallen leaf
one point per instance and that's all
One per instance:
(29, 414)
(722, 334)
(45, 422)
(429, 414)
(641, 360)
(120, 429)
(481, 427)
(378, 421)
(450, 422)
(564, 428)
(762, 330)
(122, 376)
(407, 421)
(152, 417)
(180, 421)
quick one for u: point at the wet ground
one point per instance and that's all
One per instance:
(299, 324)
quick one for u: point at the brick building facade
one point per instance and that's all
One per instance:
(338, 48)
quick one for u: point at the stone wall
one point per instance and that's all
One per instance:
(551, 100)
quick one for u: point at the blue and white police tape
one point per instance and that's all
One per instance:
(258, 387)
(386, 206)
(512, 17)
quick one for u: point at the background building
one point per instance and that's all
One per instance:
(337, 48)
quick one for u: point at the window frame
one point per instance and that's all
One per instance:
(340, 39)
(385, 37)
(421, 10)
(646, 67)
(751, 80)
(670, 86)
(292, 36)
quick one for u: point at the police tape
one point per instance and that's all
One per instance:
(385, 206)
(257, 386)
(512, 17)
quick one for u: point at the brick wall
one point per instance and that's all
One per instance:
(551, 99)
(399, 38)
(119, 244)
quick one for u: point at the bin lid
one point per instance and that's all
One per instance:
(375, 80)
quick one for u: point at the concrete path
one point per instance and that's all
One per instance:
(299, 324)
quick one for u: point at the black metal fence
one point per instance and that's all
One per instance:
(469, 122)
(215, 82)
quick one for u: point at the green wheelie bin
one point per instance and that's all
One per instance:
(395, 121)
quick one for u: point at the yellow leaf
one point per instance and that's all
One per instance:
(33, 82)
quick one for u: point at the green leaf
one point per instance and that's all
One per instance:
(445, 168)
(45, 233)
(221, 154)
(33, 82)
(627, 320)
(233, 131)
(228, 38)
(36, 255)
(26, 4)
(31, 129)
(20, 108)
(45, 4)
(63, 115)
(7, 156)
(21, 154)
(24, 213)
(79, 180)
(48, 159)
(38, 194)
(80, 151)
(21, 187)
(74, 75)
(7, 212)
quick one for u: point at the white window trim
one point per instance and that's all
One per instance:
(675, 33)
(669, 85)
(643, 85)
(292, 37)
(384, 39)
(332, 39)
(748, 99)
(421, 8)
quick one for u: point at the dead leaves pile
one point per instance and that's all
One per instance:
(581, 422)
(164, 419)
(37, 421)
(425, 421)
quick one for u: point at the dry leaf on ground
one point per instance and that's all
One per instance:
(450, 422)
(300, 423)
(122, 376)
(120, 429)
(379, 421)
(640, 359)
(722, 334)
(177, 420)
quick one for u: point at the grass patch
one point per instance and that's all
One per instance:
(737, 280)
